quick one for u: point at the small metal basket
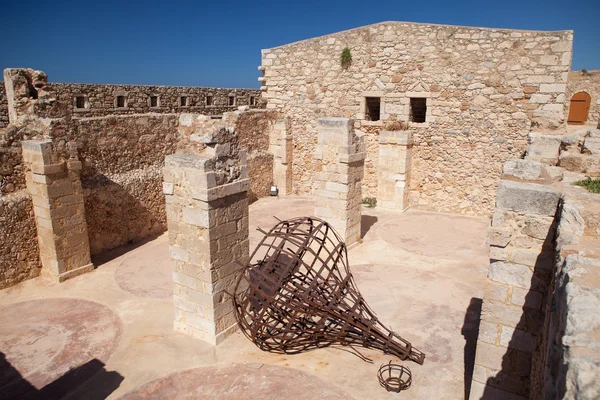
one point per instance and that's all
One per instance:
(394, 377)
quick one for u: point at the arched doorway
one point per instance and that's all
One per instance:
(580, 105)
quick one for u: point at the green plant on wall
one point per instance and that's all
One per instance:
(346, 58)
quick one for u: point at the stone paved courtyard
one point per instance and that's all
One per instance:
(422, 273)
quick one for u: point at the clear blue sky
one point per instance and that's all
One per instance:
(217, 43)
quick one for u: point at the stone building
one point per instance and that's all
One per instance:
(471, 96)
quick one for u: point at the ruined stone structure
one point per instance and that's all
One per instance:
(470, 95)
(538, 331)
(121, 157)
(339, 162)
(589, 83)
(207, 212)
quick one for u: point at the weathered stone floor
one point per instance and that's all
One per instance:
(421, 272)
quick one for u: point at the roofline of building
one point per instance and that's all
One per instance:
(417, 23)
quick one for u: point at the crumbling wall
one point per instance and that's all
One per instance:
(122, 160)
(485, 90)
(3, 107)
(588, 82)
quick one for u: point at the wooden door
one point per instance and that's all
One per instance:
(580, 105)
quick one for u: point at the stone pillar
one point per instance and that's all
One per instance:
(510, 349)
(280, 145)
(207, 217)
(393, 174)
(339, 167)
(57, 197)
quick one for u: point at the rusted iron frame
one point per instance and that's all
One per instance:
(286, 304)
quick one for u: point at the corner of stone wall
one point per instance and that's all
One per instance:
(510, 348)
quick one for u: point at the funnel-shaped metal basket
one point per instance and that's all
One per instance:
(300, 295)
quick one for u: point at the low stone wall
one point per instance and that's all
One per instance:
(588, 82)
(101, 100)
(539, 325)
(19, 251)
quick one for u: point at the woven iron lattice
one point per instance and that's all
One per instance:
(300, 295)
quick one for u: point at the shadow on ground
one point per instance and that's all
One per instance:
(470, 331)
(90, 381)
(366, 222)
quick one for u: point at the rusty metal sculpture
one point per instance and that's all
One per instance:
(300, 295)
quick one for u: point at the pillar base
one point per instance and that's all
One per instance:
(58, 278)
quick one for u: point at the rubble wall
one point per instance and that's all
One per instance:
(3, 107)
(485, 90)
(122, 154)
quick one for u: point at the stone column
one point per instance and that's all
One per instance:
(339, 167)
(393, 174)
(510, 349)
(280, 145)
(57, 197)
(207, 217)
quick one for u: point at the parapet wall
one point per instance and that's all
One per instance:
(484, 90)
(122, 157)
(538, 336)
(101, 100)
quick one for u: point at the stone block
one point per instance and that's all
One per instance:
(517, 339)
(527, 198)
(523, 169)
(511, 274)
(526, 298)
(499, 236)
(489, 332)
(544, 148)
(592, 145)
(495, 291)
(501, 313)
(490, 356)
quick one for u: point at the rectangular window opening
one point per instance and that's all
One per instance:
(232, 100)
(120, 101)
(252, 101)
(372, 108)
(183, 101)
(209, 100)
(79, 102)
(153, 101)
(418, 109)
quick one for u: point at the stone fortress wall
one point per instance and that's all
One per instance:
(122, 158)
(3, 107)
(485, 90)
(590, 83)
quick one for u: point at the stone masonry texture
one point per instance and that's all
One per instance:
(207, 212)
(485, 90)
(339, 162)
(57, 197)
(122, 155)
